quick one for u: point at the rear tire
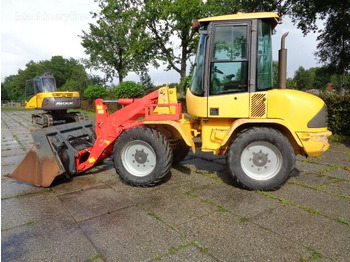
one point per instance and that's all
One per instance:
(261, 158)
(142, 157)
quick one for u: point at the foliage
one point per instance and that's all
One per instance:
(129, 89)
(220, 7)
(322, 78)
(185, 83)
(69, 75)
(77, 81)
(96, 80)
(170, 19)
(146, 81)
(117, 43)
(275, 73)
(95, 91)
(303, 78)
(333, 48)
(338, 113)
(291, 84)
(318, 78)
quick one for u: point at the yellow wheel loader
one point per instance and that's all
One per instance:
(232, 109)
(41, 93)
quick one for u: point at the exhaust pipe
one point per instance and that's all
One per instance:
(282, 64)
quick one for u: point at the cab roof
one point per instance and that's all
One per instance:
(245, 16)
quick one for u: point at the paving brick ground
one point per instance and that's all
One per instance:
(197, 215)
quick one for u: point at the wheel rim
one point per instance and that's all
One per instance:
(139, 158)
(261, 160)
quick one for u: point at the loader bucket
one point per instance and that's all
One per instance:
(38, 168)
(52, 154)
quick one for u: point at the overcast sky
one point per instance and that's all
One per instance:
(39, 29)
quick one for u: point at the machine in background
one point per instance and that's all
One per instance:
(41, 93)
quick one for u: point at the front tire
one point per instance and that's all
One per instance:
(261, 158)
(142, 157)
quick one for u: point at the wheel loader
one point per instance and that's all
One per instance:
(41, 93)
(232, 110)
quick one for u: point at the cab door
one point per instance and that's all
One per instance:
(30, 95)
(229, 66)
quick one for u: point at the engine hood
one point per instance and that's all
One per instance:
(302, 110)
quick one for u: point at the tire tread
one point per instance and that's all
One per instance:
(166, 156)
(250, 132)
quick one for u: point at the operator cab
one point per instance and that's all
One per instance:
(40, 84)
(234, 59)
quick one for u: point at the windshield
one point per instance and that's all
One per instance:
(197, 77)
(264, 63)
(49, 85)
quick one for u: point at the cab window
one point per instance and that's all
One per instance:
(197, 77)
(229, 63)
(49, 85)
(29, 89)
(38, 84)
(264, 63)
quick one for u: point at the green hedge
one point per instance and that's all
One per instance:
(94, 91)
(338, 113)
(129, 89)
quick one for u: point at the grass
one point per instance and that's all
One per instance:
(315, 255)
(28, 194)
(174, 250)
(13, 108)
(31, 222)
(223, 210)
(289, 203)
(98, 256)
(19, 143)
(190, 194)
(343, 221)
(243, 220)
(152, 214)
(321, 188)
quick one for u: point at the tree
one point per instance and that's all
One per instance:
(69, 75)
(146, 81)
(78, 81)
(96, 80)
(322, 77)
(128, 34)
(334, 39)
(303, 79)
(221, 7)
(167, 20)
(291, 84)
(118, 43)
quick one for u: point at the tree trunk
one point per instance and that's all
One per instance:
(183, 62)
(120, 78)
